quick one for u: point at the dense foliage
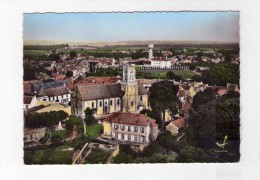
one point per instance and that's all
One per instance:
(45, 119)
(163, 97)
(30, 72)
(74, 122)
(220, 74)
(105, 72)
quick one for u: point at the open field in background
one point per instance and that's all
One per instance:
(34, 52)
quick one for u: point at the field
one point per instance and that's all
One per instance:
(34, 52)
(50, 156)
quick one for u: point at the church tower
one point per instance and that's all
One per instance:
(130, 87)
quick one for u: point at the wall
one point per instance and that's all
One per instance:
(53, 106)
(107, 128)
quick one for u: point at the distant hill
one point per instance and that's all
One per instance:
(142, 44)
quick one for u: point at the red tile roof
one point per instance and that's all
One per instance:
(179, 123)
(27, 99)
(186, 106)
(27, 87)
(130, 119)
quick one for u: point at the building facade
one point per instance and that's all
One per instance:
(57, 94)
(125, 96)
(130, 128)
(160, 62)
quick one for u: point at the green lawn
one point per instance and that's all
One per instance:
(162, 74)
(185, 73)
(62, 133)
(94, 130)
(97, 157)
(50, 156)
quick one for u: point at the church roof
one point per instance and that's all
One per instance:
(100, 91)
(141, 90)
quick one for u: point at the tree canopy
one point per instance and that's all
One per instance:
(163, 97)
(45, 119)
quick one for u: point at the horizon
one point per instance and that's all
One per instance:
(121, 27)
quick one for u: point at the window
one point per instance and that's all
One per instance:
(123, 136)
(116, 135)
(141, 98)
(122, 128)
(129, 128)
(115, 126)
(136, 129)
(132, 103)
(100, 104)
(111, 102)
(44, 99)
(92, 105)
(135, 138)
(142, 130)
(118, 102)
(129, 137)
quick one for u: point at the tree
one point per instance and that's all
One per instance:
(152, 149)
(54, 57)
(45, 119)
(192, 67)
(89, 116)
(69, 74)
(56, 139)
(163, 97)
(172, 75)
(74, 121)
(202, 98)
(73, 54)
(202, 126)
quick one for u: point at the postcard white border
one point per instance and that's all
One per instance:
(11, 95)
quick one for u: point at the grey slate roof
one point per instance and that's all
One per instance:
(56, 91)
(39, 86)
(100, 91)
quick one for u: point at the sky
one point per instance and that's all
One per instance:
(112, 27)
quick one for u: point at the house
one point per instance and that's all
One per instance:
(220, 90)
(125, 96)
(186, 105)
(161, 62)
(29, 102)
(34, 134)
(56, 94)
(232, 87)
(174, 126)
(27, 88)
(130, 128)
(38, 86)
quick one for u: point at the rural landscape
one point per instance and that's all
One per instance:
(131, 101)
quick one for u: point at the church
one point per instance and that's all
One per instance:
(124, 96)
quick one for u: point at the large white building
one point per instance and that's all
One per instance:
(161, 62)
